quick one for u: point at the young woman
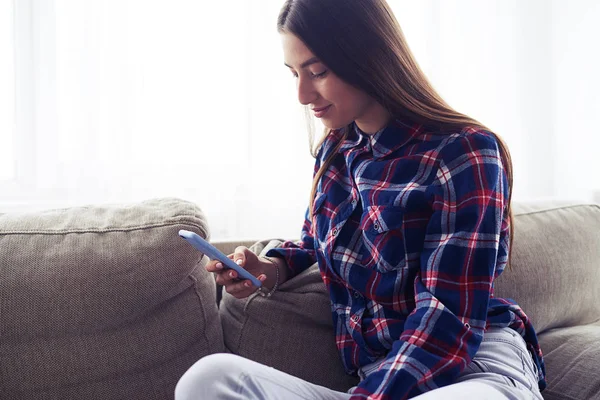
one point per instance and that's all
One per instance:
(409, 220)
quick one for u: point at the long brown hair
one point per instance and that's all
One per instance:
(362, 43)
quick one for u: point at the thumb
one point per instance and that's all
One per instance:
(242, 256)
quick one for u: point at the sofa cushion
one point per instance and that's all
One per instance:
(103, 302)
(572, 362)
(555, 274)
(291, 331)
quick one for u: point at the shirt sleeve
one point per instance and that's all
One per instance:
(457, 266)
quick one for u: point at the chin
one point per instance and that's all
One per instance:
(331, 124)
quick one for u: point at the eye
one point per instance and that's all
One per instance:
(319, 75)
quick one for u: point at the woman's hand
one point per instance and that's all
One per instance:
(262, 268)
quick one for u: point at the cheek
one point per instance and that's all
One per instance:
(351, 104)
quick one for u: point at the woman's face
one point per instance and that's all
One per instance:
(332, 100)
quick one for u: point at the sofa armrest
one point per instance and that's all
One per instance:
(103, 301)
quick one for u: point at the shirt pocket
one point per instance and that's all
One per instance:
(383, 238)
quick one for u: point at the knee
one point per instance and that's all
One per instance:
(209, 377)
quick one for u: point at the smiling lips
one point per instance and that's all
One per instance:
(319, 112)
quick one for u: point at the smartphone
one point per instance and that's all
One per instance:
(214, 254)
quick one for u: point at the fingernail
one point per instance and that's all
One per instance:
(262, 278)
(219, 266)
(231, 274)
(239, 262)
(247, 284)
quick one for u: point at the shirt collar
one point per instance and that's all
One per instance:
(384, 142)
(353, 139)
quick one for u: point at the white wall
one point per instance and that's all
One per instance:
(575, 36)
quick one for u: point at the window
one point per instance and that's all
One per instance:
(119, 101)
(7, 92)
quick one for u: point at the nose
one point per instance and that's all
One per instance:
(306, 91)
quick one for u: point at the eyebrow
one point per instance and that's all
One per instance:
(306, 63)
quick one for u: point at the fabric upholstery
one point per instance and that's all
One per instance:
(555, 274)
(572, 362)
(103, 302)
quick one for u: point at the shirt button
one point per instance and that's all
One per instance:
(356, 294)
(354, 318)
(376, 226)
(335, 232)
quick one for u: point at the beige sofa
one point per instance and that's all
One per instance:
(107, 302)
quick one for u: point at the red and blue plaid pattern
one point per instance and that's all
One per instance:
(410, 230)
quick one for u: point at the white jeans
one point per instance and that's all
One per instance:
(501, 369)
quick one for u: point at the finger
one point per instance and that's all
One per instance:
(219, 265)
(239, 255)
(247, 284)
(224, 278)
(231, 274)
(214, 266)
(241, 289)
(220, 281)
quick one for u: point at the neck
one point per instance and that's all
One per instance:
(374, 119)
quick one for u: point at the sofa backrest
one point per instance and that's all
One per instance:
(555, 273)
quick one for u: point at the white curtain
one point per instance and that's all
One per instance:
(125, 100)
(7, 100)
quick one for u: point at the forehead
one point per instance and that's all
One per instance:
(295, 51)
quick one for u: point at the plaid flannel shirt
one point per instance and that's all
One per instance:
(410, 229)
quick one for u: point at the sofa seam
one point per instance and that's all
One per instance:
(244, 327)
(204, 316)
(102, 230)
(565, 207)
